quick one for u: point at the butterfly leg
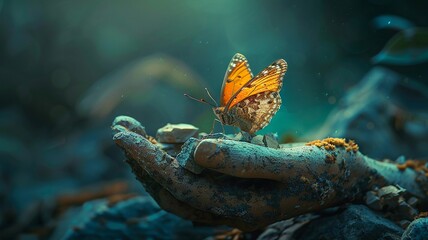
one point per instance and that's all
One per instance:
(222, 126)
(212, 127)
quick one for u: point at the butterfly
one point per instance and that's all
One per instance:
(249, 102)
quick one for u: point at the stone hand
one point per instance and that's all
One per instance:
(248, 186)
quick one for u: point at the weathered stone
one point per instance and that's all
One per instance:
(390, 196)
(204, 135)
(258, 140)
(356, 222)
(373, 201)
(243, 137)
(286, 228)
(406, 211)
(390, 191)
(417, 230)
(185, 157)
(176, 133)
(383, 108)
(267, 140)
(412, 201)
(135, 218)
(260, 185)
(270, 141)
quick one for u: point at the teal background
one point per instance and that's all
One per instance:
(52, 52)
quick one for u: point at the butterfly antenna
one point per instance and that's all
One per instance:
(199, 100)
(209, 94)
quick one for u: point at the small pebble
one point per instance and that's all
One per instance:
(258, 140)
(373, 201)
(176, 133)
(270, 141)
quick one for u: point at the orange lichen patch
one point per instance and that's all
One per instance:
(329, 158)
(352, 146)
(151, 139)
(402, 167)
(332, 143)
(422, 215)
(418, 165)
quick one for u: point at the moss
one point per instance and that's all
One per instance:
(417, 165)
(331, 144)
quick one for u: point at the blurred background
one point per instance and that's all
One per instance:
(67, 68)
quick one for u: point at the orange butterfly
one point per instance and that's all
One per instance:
(250, 102)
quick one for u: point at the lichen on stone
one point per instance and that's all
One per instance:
(417, 165)
(331, 144)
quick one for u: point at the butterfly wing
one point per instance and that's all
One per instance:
(258, 100)
(268, 80)
(237, 75)
(256, 111)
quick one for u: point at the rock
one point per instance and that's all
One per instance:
(356, 222)
(215, 136)
(135, 218)
(270, 141)
(258, 140)
(185, 157)
(390, 196)
(286, 228)
(406, 211)
(176, 133)
(417, 230)
(242, 136)
(390, 191)
(383, 108)
(373, 201)
(267, 140)
(412, 201)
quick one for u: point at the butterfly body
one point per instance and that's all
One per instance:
(250, 102)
